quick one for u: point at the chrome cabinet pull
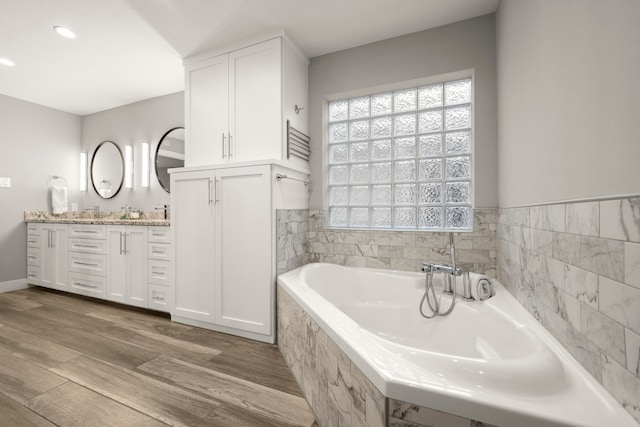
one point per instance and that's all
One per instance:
(230, 145)
(86, 264)
(217, 190)
(224, 140)
(210, 197)
(84, 285)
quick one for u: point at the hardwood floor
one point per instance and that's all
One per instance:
(67, 360)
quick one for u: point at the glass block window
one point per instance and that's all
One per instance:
(402, 159)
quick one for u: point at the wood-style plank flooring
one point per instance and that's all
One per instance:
(67, 360)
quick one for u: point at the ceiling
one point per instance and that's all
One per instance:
(130, 50)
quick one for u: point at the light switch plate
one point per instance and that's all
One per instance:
(5, 182)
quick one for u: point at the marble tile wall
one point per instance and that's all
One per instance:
(576, 268)
(291, 230)
(403, 250)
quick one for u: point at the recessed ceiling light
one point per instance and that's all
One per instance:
(65, 32)
(7, 62)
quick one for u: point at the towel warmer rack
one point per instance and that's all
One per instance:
(297, 143)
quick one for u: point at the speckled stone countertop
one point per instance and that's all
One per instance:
(106, 217)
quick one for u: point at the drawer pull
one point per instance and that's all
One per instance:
(159, 273)
(157, 252)
(85, 263)
(32, 276)
(87, 231)
(86, 246)
(84, 285)
(32, 242)
(31, 257)
(158, 298)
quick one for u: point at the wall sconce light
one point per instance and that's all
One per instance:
(128, 166)
(145, 165)
(83, 171)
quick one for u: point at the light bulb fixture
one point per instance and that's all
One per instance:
(83, 171)
(64, 32)
(128, 167)
(7, 62)
(145, 165)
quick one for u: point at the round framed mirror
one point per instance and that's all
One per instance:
(169, 154)
(107, 169)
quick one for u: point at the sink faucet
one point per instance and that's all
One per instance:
(164, 208)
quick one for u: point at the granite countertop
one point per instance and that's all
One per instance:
(106, 217)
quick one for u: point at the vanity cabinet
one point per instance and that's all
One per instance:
(223, 226)
(47, 255)
(127, 264)
(130, 264)
(237, 103)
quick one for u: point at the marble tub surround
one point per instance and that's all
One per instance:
(102, 217)
(403, 250)
(576, 268)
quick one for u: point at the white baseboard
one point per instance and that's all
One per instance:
(13, 285)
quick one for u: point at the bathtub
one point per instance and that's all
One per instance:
(489, 361)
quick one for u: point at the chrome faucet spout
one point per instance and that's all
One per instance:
(452, 252)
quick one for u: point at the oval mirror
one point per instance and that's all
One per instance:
(169, 154)
(107, 169)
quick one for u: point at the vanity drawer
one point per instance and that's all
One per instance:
(87, 284)
(33, 241)
(160, 251)
(33, 229)
(91, 231)
(89, 246)
(159, 298)
(34, 274)
(159, 234)
(160, 272)
(88, 263)
(33, 257)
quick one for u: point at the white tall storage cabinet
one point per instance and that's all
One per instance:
(223, 221)
(237, 102)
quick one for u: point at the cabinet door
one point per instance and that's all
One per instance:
(244, 296)
(206, 111)
(192, 227)
(136, 251)
(255, 106)
(55, 256)
(116, 263)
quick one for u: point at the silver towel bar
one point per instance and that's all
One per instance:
(281, 176)
(54, 177)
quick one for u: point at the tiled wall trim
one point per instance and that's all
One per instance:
(403, 250)
(576, 268)
(339, 394)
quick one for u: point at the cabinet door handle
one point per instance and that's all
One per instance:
(224, 140)
(126, 236)
(210, 197)
(217, 190)
(230, 146)
(121, 250)
(53, 238)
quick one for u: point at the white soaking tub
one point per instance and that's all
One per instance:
(488, 360)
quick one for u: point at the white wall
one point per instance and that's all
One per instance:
(568, 99)
(460, 46)
(144, 121)
(37, 142)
